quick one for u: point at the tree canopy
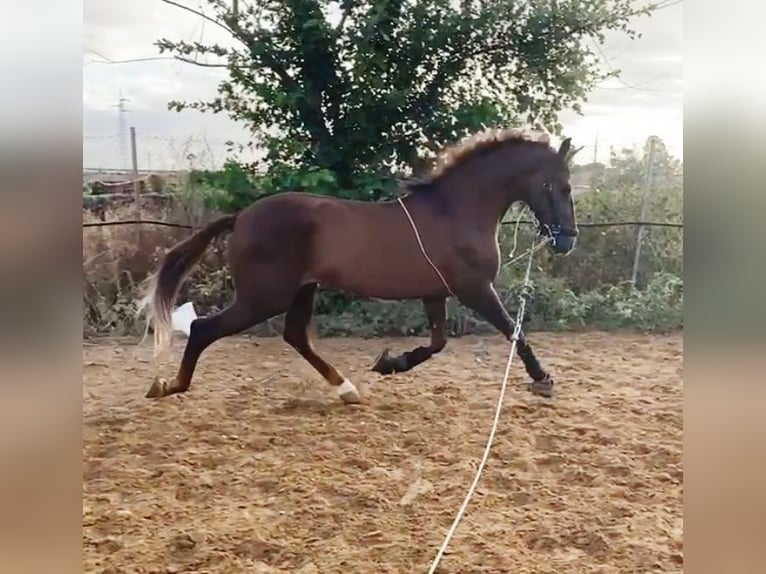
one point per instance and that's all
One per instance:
(344, 93)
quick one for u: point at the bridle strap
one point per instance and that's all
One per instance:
(555, 230)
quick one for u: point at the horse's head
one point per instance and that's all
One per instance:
(549, 196)
(505, 166)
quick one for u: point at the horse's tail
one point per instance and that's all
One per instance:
(161, 288)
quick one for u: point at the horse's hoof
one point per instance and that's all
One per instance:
(542, 388)
(158, 389)
(383, 364)
(349, 394)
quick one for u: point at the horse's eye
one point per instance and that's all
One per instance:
(547, 186)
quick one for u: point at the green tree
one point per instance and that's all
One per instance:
(627, 169)
(343, 93)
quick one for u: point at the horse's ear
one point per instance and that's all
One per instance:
(565, 147)
(573, 153)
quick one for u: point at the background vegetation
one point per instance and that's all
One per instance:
(589, 289)
(344, 97)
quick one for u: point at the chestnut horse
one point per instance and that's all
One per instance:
(440, 241)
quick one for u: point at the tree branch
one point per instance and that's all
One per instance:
(200, 64)
(288, 82)
(271, 62)
(346, 12)
(200, 14)
(490, 49)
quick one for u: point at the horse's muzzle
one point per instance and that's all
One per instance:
(561, 239)
(563, 244)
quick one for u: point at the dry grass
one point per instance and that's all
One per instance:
(116, 259)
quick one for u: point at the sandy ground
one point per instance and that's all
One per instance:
(259, 468)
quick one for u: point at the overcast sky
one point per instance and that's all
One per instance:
(646, 100)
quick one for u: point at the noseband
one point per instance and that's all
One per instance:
(554, 230)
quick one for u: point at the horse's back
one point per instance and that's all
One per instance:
(293, 224)
(355, 246)
(367, 248)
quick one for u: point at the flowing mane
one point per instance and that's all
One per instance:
(471, 146)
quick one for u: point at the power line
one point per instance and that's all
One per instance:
(667, 4)
(165, 139)
(616, 74)
(131, 60)
(608, 63)
(111, 136)
(637, 86)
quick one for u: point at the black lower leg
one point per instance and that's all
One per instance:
(542, 383)
(387, 365)
(531, 364)
(487, 304)
(436, 312)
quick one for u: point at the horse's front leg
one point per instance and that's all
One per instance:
(485, 301)
(436, 312)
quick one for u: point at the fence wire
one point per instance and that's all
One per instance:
(585, 224)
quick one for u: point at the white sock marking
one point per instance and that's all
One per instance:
(347, 387)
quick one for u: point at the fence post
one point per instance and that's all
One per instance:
(644, 208)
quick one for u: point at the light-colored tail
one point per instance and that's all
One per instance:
(160, 289)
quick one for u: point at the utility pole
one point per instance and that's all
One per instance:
(595, 161)
(595, 150)
(644, 207)
(136, 183)
(122, 110)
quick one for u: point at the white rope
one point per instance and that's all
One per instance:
(530, 251)
(422, 248)
(485, 456)
(516, 232)
(514, 340)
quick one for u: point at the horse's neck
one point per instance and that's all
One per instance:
(481, 206)
(483, 192)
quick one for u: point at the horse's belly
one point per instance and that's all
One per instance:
(370, 259)
(366, 277)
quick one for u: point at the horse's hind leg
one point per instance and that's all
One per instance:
(296, 335)
(204, 332)
(436, 312)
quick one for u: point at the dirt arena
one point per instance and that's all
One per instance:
(260, 469)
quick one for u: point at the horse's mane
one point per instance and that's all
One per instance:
(470, 147)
